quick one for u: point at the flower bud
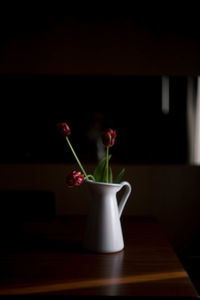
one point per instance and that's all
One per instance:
(75, 178)
(108, 137)
(64, 129)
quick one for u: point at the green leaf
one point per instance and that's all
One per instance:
(119, 177)
(99, 172)
(110, 176)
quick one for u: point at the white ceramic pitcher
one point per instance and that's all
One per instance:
(103, 231)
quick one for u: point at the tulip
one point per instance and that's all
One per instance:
(108, 137)
(64, 129)
(75, 178)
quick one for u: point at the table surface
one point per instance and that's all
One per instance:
(47, 257)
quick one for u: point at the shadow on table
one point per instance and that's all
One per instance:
(21, 206)
(30, 243)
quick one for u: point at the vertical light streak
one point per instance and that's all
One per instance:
(165, 94)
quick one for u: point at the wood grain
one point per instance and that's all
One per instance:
(47, 257)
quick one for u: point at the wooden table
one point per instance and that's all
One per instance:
(46, 257)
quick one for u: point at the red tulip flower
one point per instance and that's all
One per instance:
(64, 129)
(108, 137)
(102, 173)
(75, 178)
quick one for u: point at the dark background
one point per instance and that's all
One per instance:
(33, 104)
(85, 67)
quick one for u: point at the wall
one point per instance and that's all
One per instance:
(171, 193)
(146, 45)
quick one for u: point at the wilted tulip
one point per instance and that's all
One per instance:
(75, 178)
(108, 137)
(64, 129)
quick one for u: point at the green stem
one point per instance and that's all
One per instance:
(76, 157)
(107, 155)
(90, 176)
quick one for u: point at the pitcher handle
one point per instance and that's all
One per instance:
(125, 196)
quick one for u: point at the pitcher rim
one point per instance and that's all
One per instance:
(103, 183)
